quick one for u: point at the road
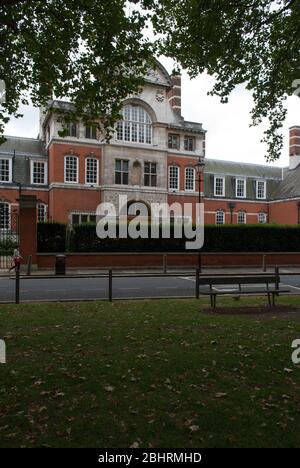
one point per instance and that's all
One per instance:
(49, 289)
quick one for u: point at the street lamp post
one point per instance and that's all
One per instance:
(231, 206)
(199, 170)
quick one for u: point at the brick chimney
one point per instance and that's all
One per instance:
(174, 95)
(294, 146)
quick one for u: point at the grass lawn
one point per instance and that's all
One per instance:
(150, 373)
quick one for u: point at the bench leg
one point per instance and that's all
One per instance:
(274, 299)
(211, 301)
(269, 299)
(215, 301)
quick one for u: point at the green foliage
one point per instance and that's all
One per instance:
(95, 53)
(237, 238)
(51, 237)
(7, 246)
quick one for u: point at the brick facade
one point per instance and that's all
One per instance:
(150, 158)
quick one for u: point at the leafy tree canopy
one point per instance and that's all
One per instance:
(95, 53)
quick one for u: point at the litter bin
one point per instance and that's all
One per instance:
(60, 265)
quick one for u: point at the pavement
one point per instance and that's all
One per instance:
(180, 285)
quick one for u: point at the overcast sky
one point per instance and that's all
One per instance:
(228, 134)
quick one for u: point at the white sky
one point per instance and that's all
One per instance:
(228, 134)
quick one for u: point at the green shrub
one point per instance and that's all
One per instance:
(227, 238)
(51, 237)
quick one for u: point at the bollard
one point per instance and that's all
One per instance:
(110, 286)
(17, 285)
(197, 283)
(165, 264)
(264, 263)
(29, 265)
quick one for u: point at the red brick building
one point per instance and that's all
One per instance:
(150, 158)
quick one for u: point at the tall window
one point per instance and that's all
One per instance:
(71, 169)
(240, 188)
(262, 218)
(173, 141)
(71, 129)
(91, 171)
(38, 172)
(219, 187)
(4, 215)
(241, 217)
(220, 217)
(190, 179)
(135, 126)
(91, 132)
(261, 189)
(42, 212)
(122, 172)
(5, 170)
(174, 178)
(150, 174)
(189, 143)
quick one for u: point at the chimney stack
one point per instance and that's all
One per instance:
(174, 95)
(294, 146)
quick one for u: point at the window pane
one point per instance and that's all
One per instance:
(136, 126)
(4, 170)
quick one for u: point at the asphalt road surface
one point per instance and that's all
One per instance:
(50, 289)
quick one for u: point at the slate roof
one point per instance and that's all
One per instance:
(23, 149)
(290, 185)
(233, 170)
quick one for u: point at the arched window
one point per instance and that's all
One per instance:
(262, 218)
(241, 217)
(136, 125)
(4, 215)
(220, 217)
(71, 169)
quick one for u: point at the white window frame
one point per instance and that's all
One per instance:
(244, 214)
(132, 128)
(265, 189)
(244, 188)
(223, 217)
(9, 170)
(97, 176)
(187, 169)
(8, 227)
(45, 212)
(80, 215)
(265, 218)
(38, 161)
(65, 169)
(178, 178)
(215, 186)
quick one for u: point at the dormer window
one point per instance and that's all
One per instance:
(219, 186)
(38, 172)
(261, 189)
(5, 170)
(136, 126)
(240, 188)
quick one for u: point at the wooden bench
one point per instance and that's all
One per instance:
(271, 281)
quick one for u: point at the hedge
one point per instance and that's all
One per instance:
(51, 237)
(226, 238)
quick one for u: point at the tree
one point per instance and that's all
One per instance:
(95, 53)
